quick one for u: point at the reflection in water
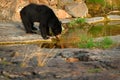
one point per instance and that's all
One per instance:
(76, 34)
(106, 29)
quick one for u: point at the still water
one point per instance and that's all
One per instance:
(74, 34)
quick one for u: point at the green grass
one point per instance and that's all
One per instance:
(87, 42)
(77, 21)
(106, 42)
(96, 30)
(5, 63)
(102, 2)
(95, 70)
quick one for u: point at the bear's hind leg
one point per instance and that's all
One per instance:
(26, 23)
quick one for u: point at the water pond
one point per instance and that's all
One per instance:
(75, 34)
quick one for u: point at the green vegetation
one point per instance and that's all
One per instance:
(5, 62)
(95, 70)
(96, 30)
(77, 21)
(100, 6)
(102, 2)
(106, 43)
(87, 35)
(90, 43)
(86, 42)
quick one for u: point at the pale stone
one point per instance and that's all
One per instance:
(94, 19)
(77, 9)
(7, 8)
(62, 14)
(19, 6)
(113, 17)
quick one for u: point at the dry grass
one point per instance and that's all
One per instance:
(41, 57)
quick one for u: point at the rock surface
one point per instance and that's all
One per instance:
(94, 19)
(91, 64)
(9, 12)
(62, 14)
(7, 9)
(77, 9)
(113, 17)
(15, 33)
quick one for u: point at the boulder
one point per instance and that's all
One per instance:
(7, 9)
(16, 15)
(14, 33)
(19, 6)
(94, 20)
(77, 9)
(113, 17)
(53, 3)
(61, 14)
(62, 3)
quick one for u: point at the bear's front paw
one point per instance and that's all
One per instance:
(46, 37)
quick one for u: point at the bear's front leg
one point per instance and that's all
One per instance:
(48, 31)
(43, 31)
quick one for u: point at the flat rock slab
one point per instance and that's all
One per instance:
(101, 64)
(15, 33)
(113, 17)
(94, 20)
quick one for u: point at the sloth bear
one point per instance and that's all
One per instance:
(42, 14)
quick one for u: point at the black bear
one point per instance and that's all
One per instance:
(42, 14)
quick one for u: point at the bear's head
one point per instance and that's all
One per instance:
(57, 29)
